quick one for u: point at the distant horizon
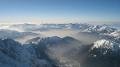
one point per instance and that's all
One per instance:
(118, 23)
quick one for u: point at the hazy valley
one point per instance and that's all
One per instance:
(59, 45)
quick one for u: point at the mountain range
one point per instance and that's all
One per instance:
(103, 50)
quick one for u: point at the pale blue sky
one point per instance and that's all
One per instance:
(60, 11)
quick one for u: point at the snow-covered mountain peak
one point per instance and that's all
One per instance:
(103, 43)
(106, 44)
(115, 34)
(100, 29)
